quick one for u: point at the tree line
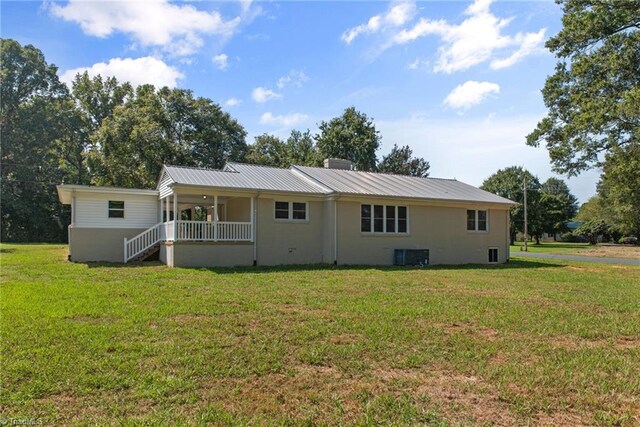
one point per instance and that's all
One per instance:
(100, 131)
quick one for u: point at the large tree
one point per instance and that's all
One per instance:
(401, 162)
(32, 106)
(509, 183)
(557, 206)
(162, 126)
(594, 95)
(352, 136)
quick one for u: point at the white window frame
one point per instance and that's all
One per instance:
(476, 230)
(384, 220)
(290, 211)
(497, 255)
(116, 209)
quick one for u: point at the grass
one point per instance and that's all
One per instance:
(583, 249)
(531, 342)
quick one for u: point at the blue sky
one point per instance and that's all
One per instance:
(457, 81)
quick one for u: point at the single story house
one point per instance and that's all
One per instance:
(258, 215)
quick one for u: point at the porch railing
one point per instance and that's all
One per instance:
(218, 231)
(142, 242)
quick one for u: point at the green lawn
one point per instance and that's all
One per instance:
(551, 247)
(532, 342)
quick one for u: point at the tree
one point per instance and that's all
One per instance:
(619, 188)
(557, 206)
(301, 149)
(298, 149)
(593, 96)
(352, 136)
(399, 161)
(268, 150)
(162, 126)
(31, 101)
(509, 183)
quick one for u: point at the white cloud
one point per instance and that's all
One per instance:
(398, 14)
(470, 93)
(285, 120)
(136, 71)
(477, 39)
(232, 102)
(418, 64)
(295, 78)
(177, 29)
(221, 61)
(262, 95)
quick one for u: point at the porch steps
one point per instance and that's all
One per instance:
(143, 256)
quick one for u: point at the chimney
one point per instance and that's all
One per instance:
(338, 164)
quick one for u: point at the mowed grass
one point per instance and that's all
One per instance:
(531, 342)
(582, 249)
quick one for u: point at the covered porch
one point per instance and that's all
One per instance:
(207, 217)
(196, 215)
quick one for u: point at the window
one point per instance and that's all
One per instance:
(383, 219)
(116, 209)
(493, 255)
(291, 211)
(299, 210)
(476, 220)
(282, 210)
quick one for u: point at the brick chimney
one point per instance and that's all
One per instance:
(338, 164)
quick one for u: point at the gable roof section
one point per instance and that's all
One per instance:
(237, 176)
(312, 180)
(388, 185)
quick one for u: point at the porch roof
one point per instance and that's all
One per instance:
(244, 177)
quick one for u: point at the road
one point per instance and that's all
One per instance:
(600, 260)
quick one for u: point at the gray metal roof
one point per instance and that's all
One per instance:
(311, 180)
(387, 185)
(245, 177)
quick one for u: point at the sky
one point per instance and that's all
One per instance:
(459, 82)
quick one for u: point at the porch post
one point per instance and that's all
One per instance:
(176, 235)
(160, 210)
(215, 218)
(166, 208)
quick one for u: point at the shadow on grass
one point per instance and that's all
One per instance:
(513, 264)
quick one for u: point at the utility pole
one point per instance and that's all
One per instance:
(526, 224)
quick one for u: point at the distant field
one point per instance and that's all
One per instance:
(531, 342)
(584, 249)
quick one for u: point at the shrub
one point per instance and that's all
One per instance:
(628, 240)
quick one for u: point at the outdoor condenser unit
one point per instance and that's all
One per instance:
(411, 257)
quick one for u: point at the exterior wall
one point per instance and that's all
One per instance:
(289, 242)
(92, 210)
(239, 209)
(99, 244)
(200, 254)
(442, 230)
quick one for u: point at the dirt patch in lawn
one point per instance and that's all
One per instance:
(574, 343)
(612, 251)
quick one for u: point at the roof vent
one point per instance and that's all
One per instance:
(337, 164)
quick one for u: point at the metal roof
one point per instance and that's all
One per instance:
(245, 177)
(312, 180)
(388, 185)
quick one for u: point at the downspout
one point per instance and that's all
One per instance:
(507, 243)
(335, 232)
(73, 222)
(254, 226)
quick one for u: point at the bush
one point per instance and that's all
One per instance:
(573, 238)
(628, 240)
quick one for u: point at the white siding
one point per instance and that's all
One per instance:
(92, 210)
(163, 186)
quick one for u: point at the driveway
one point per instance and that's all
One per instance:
(600, 260)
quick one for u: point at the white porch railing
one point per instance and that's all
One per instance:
(218, 231)
(143, 241)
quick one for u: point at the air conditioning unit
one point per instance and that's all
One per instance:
(419, 257)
